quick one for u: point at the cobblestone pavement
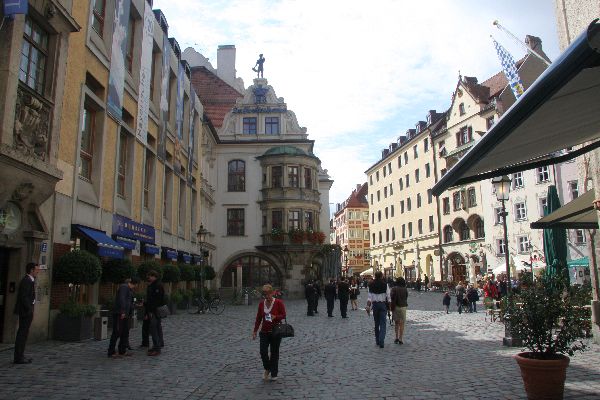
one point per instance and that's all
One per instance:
(213, 357)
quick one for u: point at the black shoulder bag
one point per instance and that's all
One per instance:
(283, 330)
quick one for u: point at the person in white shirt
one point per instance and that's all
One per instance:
(378, 302)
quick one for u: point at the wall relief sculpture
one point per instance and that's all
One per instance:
(32, 123)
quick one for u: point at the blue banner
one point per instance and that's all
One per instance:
(116, 77)
(169, 254)
(141, 130)
(125, 227)
(164, 98)
(179, 117)
(12, 7)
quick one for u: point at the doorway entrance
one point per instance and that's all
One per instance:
(4, 253)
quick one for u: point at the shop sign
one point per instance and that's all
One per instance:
(125, 227)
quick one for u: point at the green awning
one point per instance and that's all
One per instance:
(580, 262)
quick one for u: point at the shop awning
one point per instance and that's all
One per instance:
(169, 254)
(197, 259)
(106, 246)
(558, 111)
(367, 272)
(580, 262)
(125, 242)
(577, 214)
(186, 257)
(150, 248)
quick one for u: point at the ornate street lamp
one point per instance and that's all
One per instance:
(346, 260)
(502, 187)
(201, 235)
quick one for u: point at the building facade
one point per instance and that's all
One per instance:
(34, 47)
(351, 227)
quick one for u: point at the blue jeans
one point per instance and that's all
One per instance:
(379, 313)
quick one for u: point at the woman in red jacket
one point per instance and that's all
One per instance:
(270, 312)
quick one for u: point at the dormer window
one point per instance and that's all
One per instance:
(461, 108)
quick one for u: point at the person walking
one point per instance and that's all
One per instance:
(122, 311)
(472, 297)
(155, 297)
(344, 296)
(426, 281)
(354, 292)
(378, 303)
(270, 312)
(460, 294)
(310, 294)
(446, 302)
(399, 304)
(330, 296)
(24, 309)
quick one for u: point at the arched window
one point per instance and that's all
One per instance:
(479, 231)
(464, 231)
(256, 271)
(236, 181)
(448, 234)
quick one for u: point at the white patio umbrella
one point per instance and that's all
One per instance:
(367, 272)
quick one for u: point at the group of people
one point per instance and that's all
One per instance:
(467, 297)
(343, 290)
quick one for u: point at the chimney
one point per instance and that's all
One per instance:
(534, 43)
(358, 186)
(226, 63)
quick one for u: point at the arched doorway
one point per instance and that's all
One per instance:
(256, 271)
(458, 267)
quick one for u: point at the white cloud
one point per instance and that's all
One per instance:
(358, 74)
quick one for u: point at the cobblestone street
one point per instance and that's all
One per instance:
(213, 357)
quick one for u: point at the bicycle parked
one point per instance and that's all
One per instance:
(199, 305)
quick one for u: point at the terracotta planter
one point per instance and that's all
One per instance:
(543, 379)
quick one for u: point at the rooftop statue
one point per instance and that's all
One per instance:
(258, 67)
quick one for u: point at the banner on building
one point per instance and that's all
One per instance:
(13, 7)
(190, 149)
(141, 130)
(179, 118)
(164, 98)
(510, 69)
(116, 76)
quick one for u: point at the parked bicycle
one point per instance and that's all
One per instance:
(199, 305)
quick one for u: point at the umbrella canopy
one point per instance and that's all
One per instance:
(367, 272)
(555, 239)
(580, 262)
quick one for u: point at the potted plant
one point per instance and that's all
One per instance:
(550, 318)
(76, 268)
(296, 235)
(145, 267)
(277, 235)
(187, 274)
(171, 274)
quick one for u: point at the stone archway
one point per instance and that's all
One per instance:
(251, 270)
(457, 266)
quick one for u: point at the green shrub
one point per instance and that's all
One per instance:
(197, 272)
(72, 309)
(209, 273)
(147, 266)
(176, 297)
(107, 304)
(78, 267)
(117, 270)
(171, 273)
(187, 272)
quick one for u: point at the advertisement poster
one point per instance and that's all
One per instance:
(141, 131)
(179, 118)
(116, 77)
(164, 98)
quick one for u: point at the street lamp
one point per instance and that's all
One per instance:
(201, 235)
(346, 260)
(502, 187)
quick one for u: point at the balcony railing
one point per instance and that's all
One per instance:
(285, 240)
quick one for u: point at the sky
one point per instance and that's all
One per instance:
(359, 74)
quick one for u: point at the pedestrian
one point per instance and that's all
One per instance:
(354, 292)
(122, 311)
(155, 297)
(399, 304)
(270, 312)
(460, 294)
(419, 281)
(446, 302)
(310, 294)
(473, 298)
(344, 296)
(490, 293)
(378, 302)
(24, 309)
(317, 286)
(330, 295)
(426, 280)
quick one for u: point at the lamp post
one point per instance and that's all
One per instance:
(346, 260)
(502, 186)
(201, 235)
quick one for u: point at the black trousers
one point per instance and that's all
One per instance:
(146, 332)
(156, 332)
(316, 304)
(22, 333)
(270, 363)
(120, 332)
(310, 306)
(343, 306)
(330, 303)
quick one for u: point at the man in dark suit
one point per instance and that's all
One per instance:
(122, 311)
(330, 296)
(344, 296)
(317, 295)
(24, 309)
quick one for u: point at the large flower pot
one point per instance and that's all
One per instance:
(543, 379)
(72, 329)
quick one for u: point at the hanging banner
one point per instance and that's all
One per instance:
(191, 133)
(116, 77)
(141, 131)
(179, 117)
(164, 98)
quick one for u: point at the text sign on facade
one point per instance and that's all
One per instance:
(123, 226)
(12, 7)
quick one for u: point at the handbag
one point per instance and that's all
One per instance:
(283, 330)
(162, 311)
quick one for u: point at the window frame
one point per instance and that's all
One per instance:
(236, 180)
(41, 47)
(236, 222)
(272, 126)
(276, 179)
(122, 165)
(88, 154)
(99, 17)
(249, 126)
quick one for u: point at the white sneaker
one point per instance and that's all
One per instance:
(274, 378)
(266, 375)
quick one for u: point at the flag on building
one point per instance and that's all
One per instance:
(510, 69)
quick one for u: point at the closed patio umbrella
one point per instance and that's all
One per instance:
(555, 240)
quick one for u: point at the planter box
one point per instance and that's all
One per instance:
(72, 329)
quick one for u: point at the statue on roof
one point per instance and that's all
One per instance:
(258, 67)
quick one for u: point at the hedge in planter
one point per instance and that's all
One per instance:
(187, 272)
(171, 273)
(117, 270)
(145, 267)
